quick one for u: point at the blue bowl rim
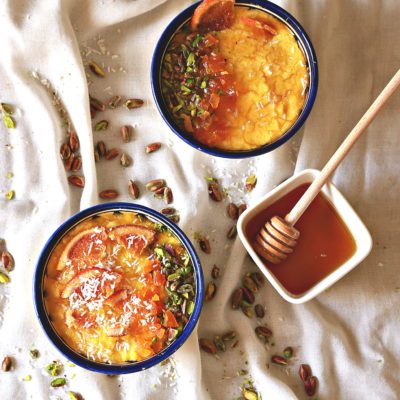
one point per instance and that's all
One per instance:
(300, 35)
(41, 313)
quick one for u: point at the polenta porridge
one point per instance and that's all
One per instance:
(238, 88)
(119, 287)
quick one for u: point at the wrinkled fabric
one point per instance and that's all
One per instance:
(349, 334)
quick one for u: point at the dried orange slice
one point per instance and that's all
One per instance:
(86, 248)
(79, 279)
(133, 237)
(115, 298)
(260, 25)
(213, 15)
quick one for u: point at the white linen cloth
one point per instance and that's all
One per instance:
(349, 334)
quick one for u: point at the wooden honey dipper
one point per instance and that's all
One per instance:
(277, 238)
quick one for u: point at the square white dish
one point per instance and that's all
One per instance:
(353, 222)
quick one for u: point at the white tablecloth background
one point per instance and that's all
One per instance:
(349, 335)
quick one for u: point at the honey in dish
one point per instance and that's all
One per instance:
(119, 287)
(324, 244)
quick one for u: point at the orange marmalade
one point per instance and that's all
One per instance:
(119, 287)
(238, 88)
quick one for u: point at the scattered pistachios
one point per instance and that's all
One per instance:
(168, 195)
(236, 298)
(133, 190)
(125, 160)
(126, 133)
(114, 102)
(208, 346)
(96, 69)
(251, 182)
(74, 396)
(288, 352)
(131, 104)
(214, 191)
(111, 154)
(65, 151)
(101, 125)
(174, 218)
(155, 184)
(259, 310)
(219, 343)
(168, 211)
(152, 147)
(55, 368)
(263, 333)
(233, 211)
(68, 162)
(210, 291)
(101, 148)
(58, 382)
(248, 295)
(7, 110)
(247, 309)
(279, 360)
(78, 181)
(243, 297)
(96, 104)
(204, 244)
(228, 336)
(215, 272)
(242, 208)
(108, 194)
(249, 283)
(34, 353)
(73, 141)
(6, 365)
(232, 233)
(310, 385)
(10, 195)
(76, 164)
(4, 278)
(304, 372)
(7, 260)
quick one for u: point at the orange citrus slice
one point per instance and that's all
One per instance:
(79, 279)
(260, 25)
(133, 237)
(86, 248)
(213, 15)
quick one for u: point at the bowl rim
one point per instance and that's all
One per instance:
(304, 42)
(336, 198)
(40, 310)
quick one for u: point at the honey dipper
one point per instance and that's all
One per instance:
(277, 238)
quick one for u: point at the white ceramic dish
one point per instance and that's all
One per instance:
(360, 233)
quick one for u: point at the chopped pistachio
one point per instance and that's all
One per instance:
(6, 108)
(10, 195)
(74, 396)
(54, 368)
(34, 353)
(8, 121)
(4, 278)
(9, 175)
(251, 182)
(27, 378)
(58, 382)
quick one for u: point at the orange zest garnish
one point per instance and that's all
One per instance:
(213, 15)
(169, 320)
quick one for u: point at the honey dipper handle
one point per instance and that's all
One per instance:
(342, 151)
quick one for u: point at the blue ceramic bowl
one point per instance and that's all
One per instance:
(42, 315)
(304, 43)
